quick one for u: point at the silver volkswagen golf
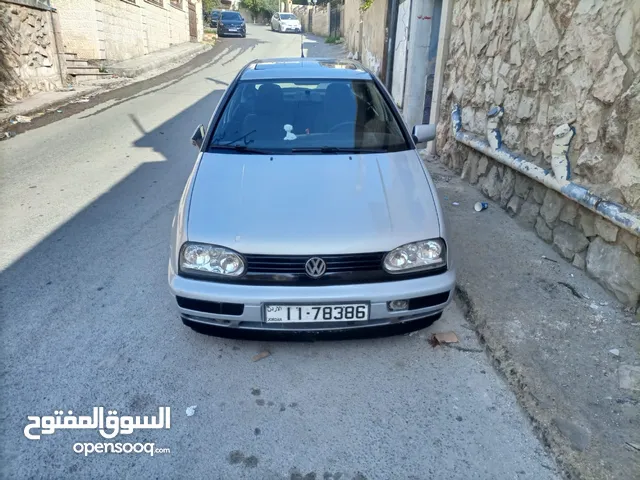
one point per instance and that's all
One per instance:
(308, 208)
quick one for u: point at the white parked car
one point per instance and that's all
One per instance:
(285, 22)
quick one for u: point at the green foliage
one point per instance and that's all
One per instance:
(333, 40)
(256, 7)
(209, 5)
(365, 5)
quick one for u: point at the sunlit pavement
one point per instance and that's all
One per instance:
(87, 321)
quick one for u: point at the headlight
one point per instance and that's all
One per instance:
(204, 258)
(415, 256)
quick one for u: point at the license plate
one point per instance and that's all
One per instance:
(233, 29)
(352, 312)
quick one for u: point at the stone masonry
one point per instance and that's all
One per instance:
(549, 62)
(29, 57)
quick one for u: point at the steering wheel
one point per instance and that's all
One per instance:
(341, 125)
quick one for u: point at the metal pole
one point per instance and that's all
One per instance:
(392, 17)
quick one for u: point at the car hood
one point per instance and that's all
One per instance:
(311, 204)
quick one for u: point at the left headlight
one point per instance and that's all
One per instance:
(210, 259)
(423, 255)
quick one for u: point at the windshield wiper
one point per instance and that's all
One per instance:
(239, 149)
(338, 150)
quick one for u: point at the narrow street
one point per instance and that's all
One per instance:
(87, 321)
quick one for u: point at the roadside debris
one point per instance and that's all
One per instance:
(261, 355)
(572, 289)
(480, 206)
(8, 134)
(456, 203)
(544, 257)
(81, 100)
(615, 352)
(443, 338)
(593, 306)
(23, 119)
(191, 410)
(629, 377)
(635, 446)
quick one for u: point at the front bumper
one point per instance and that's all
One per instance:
(227, 31)
(219, 304)
(285, 28)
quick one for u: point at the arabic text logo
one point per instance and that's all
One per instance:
(109, 426)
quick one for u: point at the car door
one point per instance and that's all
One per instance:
(274, 20)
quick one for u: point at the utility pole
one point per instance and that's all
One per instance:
(417, 68)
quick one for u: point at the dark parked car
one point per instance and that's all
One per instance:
(215, 15)
(231, 23)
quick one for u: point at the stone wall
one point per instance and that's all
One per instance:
(28, 49)
(114, 30)
(365, 32)
(548, 62)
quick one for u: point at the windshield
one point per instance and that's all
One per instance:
(287, 16)
(290, 116)
(215, 14)
(230, 16)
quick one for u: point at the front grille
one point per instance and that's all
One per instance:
(294, 264)
(289, 270)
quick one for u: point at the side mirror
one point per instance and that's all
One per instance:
(198, 136)
(423, 133)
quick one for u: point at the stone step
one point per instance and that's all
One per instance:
(82, 70)
(76, 62)
(70, 56)
(86, 77)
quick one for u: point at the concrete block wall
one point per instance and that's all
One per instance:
(365, 33)
(115, 30)
(29, 61)
(320, 21)
(122, 25)
(548, 63)
(79, 26)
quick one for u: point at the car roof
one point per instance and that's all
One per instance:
(304, 68)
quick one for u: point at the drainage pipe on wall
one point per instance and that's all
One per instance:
(612, 211)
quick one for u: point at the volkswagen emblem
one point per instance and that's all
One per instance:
(315, 267)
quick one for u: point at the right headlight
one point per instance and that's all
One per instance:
(210, 259)
(423, 255)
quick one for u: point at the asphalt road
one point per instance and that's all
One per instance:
(87, 321)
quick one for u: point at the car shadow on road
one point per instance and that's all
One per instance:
(78, 271)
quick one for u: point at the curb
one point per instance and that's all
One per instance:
(504, 363)
(133, 72)
(48, 105)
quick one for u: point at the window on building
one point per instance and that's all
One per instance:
(176, 3)
(154, 2)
